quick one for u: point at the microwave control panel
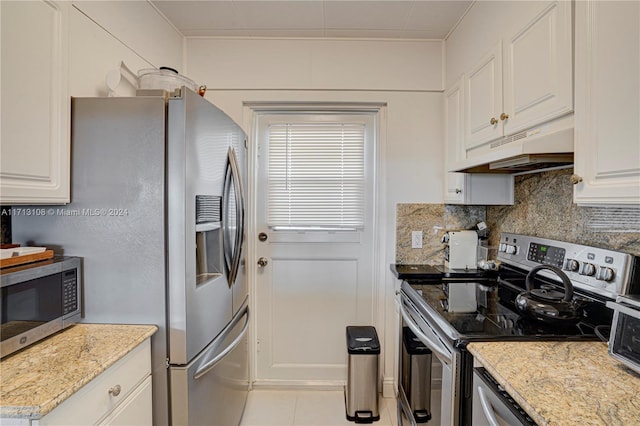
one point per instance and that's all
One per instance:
(69, 291)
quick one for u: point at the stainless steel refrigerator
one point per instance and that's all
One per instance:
(157, 214)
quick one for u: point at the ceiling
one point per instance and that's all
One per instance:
(421, 19)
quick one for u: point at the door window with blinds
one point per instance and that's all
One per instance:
(316, 172)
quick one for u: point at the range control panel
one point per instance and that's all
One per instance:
(602, 271)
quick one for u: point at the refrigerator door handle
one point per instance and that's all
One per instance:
(228, 239)
(210, 365)
(239, 204)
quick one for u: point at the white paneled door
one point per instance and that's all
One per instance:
(314, 253)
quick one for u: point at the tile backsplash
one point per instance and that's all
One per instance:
(433, 220)
(5, 225)
(543, 207)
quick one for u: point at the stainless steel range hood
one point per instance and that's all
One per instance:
(527, 162)
(535, 149)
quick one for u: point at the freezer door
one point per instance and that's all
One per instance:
(200, 301)
(213, 388)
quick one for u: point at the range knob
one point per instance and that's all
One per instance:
(572, 265)
(511, 249)
(588, 269)
(605, 274)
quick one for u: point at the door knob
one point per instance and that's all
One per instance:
(262, 236)
(493, 121)
(504, 116)
(262, 262)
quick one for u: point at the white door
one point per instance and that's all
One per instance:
(316, 276)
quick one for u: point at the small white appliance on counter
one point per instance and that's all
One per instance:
(462, 250)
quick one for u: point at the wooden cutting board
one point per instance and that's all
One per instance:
(27, 258)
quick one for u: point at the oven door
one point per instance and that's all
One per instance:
(443, 355)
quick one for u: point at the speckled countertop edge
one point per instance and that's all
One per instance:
(39, 378)
(564, 383)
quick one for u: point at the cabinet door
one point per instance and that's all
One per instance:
(136, 410)
(34, 163)
(483, 99)
(454, 182)
(538, 73)
(607, 116)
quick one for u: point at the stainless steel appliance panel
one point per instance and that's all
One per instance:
(212, 389)
(198, 139)
(492, 406)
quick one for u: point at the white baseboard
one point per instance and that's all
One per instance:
(388, 388)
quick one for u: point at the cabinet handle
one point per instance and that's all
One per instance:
(493, 121)
(575, 179)
(504, 116)
(458, 190)
(115, 391)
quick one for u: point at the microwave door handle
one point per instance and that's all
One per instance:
(487, 408)
(625, 309)
(434, 346)
(210, 365)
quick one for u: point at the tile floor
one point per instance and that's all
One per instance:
(306, 407)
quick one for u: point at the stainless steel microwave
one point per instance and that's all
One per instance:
(624, 341)
(37, 300)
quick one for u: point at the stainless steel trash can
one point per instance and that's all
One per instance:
(361, 391)
(416, 375)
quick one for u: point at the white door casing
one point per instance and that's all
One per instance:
(314, 283)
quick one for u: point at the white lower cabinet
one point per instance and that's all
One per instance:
(121, 395)
(135, 410)
(607, 117)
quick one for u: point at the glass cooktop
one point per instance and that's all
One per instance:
(494, 317)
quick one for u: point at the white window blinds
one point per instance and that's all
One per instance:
(316, 175)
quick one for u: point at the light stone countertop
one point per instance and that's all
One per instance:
(564, 383)
(37, 379)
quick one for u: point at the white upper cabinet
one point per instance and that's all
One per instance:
(607, 117)
(466, 188)
(484, 99)
(34, 148)
(538, 74)
(518, 61)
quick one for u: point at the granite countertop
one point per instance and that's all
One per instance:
(564, 383)
(40, 377)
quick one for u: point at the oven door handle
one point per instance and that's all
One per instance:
(487, 408)
(442, 354)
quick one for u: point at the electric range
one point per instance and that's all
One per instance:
(448, 313)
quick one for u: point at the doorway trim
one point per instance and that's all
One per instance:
(251, 110)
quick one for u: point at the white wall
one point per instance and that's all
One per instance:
(406, 75)
(102, 34)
